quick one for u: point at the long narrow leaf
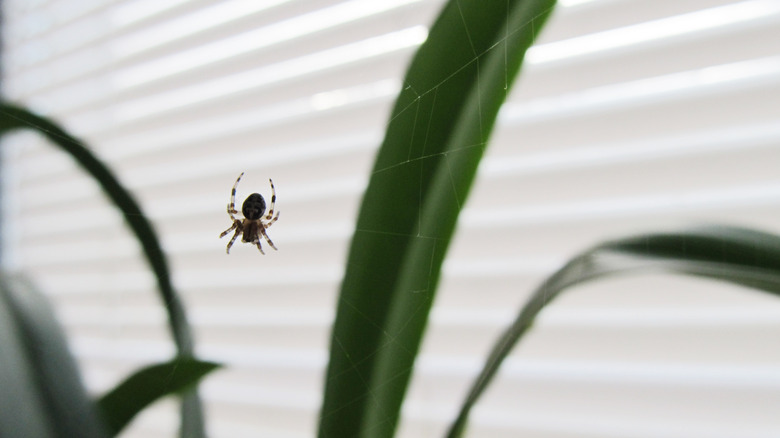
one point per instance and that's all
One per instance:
(23, 410)
(41, 385)
(736, 255)
(435, 139)
(13, 117)
(138, 391)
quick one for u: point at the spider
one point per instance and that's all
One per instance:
(253, 223)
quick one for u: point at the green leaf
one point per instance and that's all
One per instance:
(144, 387)
(13, 118)
(435, 139)
(736, 255)
(41, 393)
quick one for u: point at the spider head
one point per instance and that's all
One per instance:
(253, 207)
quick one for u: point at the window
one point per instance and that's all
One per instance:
(629, 116)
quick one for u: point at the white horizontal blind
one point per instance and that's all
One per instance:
(630, 115)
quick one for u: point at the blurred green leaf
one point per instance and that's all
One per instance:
(144, 387)
(41, 394)
(435, 139)
(13, 117)
(736, 255)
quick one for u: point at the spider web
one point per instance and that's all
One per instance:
(252, 312)
(410, 161)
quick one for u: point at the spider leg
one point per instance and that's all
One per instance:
(231, 208)
(232, 212)
(271, 222)
(233, 239)
(235, 225)
(267, 239)
(273, 201)
(257, 242)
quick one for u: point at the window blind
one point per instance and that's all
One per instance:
(629, 116)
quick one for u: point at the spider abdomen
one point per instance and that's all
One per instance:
(254, 206)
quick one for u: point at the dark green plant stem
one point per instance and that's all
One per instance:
(13, 117)
(736, 255)
(424, 170)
